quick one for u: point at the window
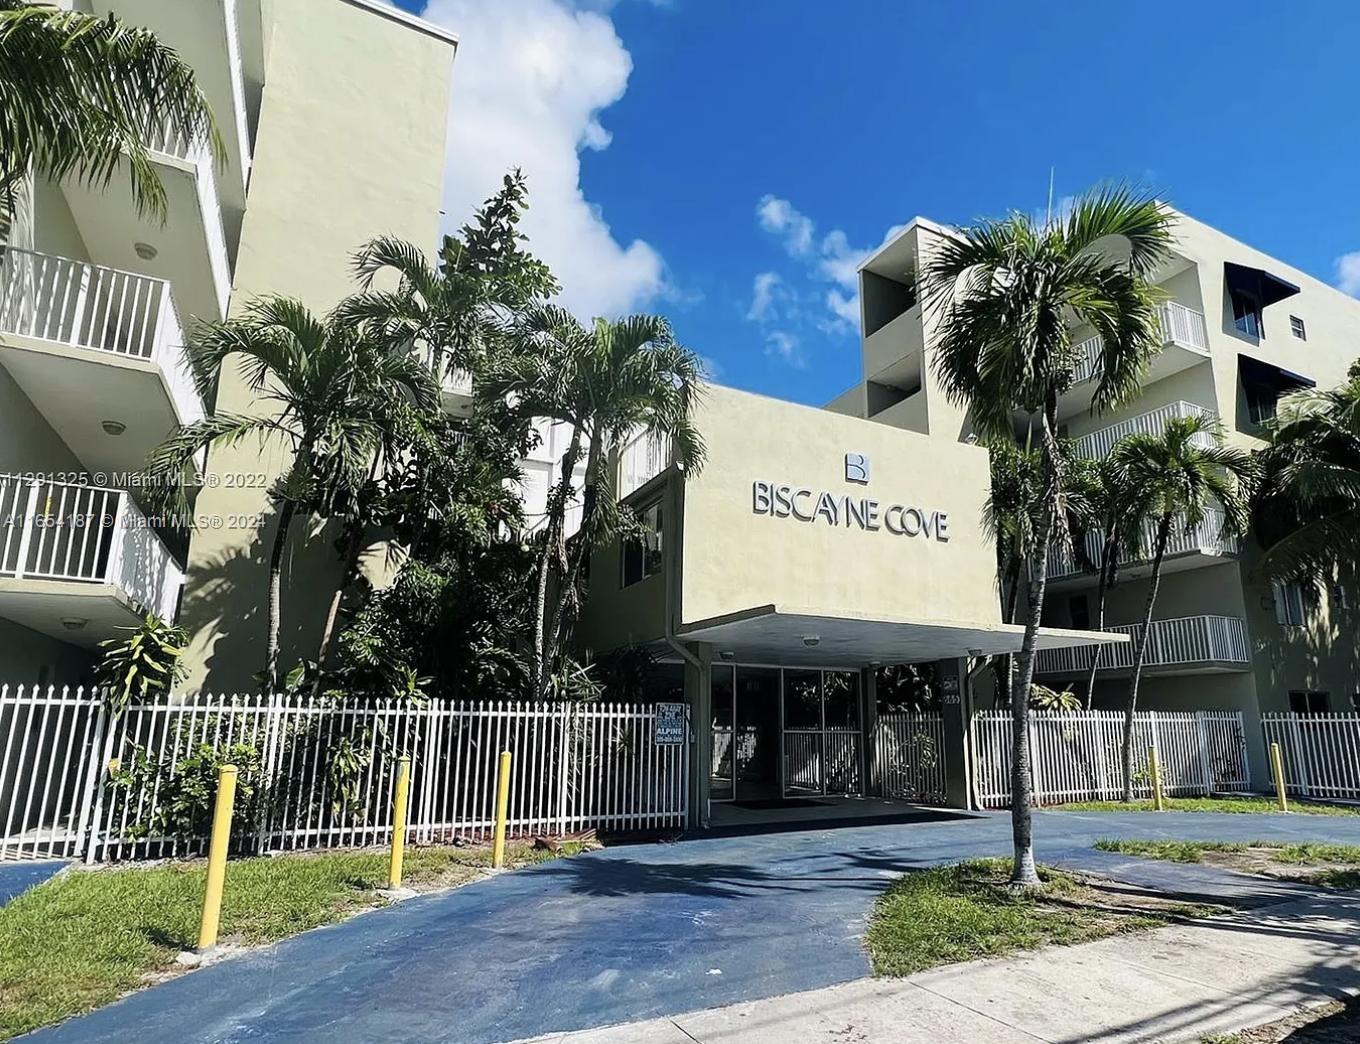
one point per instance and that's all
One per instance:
(1079, 612)
(1289, 603)
(1297, 328)
(642, 552)
(1261, 403)
(1341, 598)
(1247, 312)
(1305, 701)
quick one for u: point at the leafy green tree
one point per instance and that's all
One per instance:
(607, 382)
(1307, 507)
(1010, 517)
(1007, 297)
(143, 665)
(1175, 480)
(1103, 511)
(83, 95)
(326, 390)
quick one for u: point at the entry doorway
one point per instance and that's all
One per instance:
(784, 733)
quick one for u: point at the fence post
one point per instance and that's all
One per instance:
(1277, 770)
(1205, 765)
(217, 858)
(1155, 767)
(399, 822)
(92, 771)
(502, 803)
(1155, 728)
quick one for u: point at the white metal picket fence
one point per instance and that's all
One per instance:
(1078, 756)
(1320, 753)
(78, 782)
(909, 756)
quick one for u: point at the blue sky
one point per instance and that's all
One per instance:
(727, 161)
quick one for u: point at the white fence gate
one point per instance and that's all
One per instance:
(1078, 756)
(1320, 752)
(909, 756)
(76, 781)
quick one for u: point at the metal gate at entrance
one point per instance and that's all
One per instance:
(782, 732)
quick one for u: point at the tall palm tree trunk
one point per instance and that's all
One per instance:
(348, 566)
(271, 649)
(567, 607)
(1023, 871)
(1102, 589)
(553, 550)
(1140, 651)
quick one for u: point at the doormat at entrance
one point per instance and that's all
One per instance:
(764, 803)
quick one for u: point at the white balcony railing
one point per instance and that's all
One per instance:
(642, 459)
(1098, 444)
(100, 309)
(62, 531)
(1189, 641)
(1207, 538)
(1180, 326)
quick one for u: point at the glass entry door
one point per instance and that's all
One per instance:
(757, 733)
(822, 737)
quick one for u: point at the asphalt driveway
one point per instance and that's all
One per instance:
(629, 933)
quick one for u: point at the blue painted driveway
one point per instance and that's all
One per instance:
(628, 933)
(17, 878)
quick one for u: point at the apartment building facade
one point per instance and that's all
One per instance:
(1241, 329)
(333, 113)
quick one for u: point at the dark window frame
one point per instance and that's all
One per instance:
(1298, 328)
(1247, 309)
(637, 561)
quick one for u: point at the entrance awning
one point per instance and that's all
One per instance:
(1260, 373)
(793, 636)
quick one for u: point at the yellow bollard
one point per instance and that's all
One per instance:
(1155, 768)
(217, 858)
(399, 822)
(1277, 770)
(502, 806)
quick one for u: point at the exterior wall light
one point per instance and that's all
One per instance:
(811, 639)
(113, 427)
(74, 623)
(145, 251)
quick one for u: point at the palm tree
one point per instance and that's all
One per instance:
(82, 94)
(1010, 517)
(1106, 515)
(1308, 505)
(327, 390)
(1007, 297)
(1175, 480)
(607, 382)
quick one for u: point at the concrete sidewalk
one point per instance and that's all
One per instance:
(1172, 984)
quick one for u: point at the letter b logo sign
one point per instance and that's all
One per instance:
(856, 468)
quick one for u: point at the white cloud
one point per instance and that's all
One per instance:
(784, 346)
(530, 81)
(833, 259)
(779, 217)
(1348, 273)
(763, 294)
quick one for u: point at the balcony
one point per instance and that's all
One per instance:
(90, 345)
(1098, 444)
(77, 561)
(1185, 342)
(1188, 645)
(1188, 548)
(455, 386)
(642, 459)
(188, 249)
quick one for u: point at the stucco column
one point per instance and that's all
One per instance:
(953, 678)
(868, 715)
(699, 697)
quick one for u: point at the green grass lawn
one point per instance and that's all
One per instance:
(85, 938)
(1315, 862)
(964, 911)
(1225, 803)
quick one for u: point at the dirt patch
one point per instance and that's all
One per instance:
(1265, 862)
(1330, 1023)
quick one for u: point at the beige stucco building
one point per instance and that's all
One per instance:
(333, 113)
(1241, 329)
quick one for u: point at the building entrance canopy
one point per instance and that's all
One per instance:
(794, 636)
